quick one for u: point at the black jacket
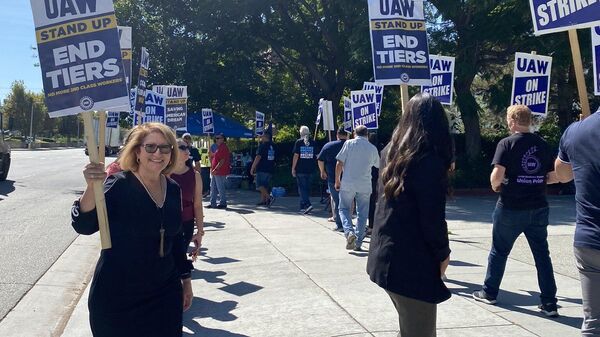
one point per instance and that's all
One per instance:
(410, 234)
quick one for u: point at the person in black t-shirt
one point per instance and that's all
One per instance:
(304, 164)
(523, 165)
(194, 161)
(263, 167)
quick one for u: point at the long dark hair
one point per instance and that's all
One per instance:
(423, 129)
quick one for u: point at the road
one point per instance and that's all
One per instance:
(34, 217)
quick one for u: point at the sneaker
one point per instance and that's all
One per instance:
(221, 206)
(357, 249)
(210, 206)
(549, 309)
(302, 210)
(337, 229)
(308, 209)
(262, 203)
(351, 241)
(481, 296)
(270, 201)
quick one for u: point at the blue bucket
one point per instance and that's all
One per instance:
(278, 192)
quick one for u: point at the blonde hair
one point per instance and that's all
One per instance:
(128, 157)
(520, 114)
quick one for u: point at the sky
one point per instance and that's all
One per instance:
(16, 40)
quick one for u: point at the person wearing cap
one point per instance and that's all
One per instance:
(194, 161)
(263, 167)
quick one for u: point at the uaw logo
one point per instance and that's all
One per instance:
(86, 103)
(530, 163)
(404, 77)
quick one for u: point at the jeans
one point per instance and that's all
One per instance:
(362, 213)
(304, 182)
(508, 225)
(335, 196)
(217, 187)
(588, 264)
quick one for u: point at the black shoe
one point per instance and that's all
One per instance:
(337, 229)
(221, 206)
(481, 296)
(308, 209)
(549, 309)
(262, 203)
(357, 249)
(210, 206)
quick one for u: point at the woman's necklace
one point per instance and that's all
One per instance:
(159, 207)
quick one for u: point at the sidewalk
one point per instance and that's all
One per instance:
(276, 273)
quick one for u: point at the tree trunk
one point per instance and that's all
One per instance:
(469, 113)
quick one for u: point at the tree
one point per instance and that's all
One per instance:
(18, 109)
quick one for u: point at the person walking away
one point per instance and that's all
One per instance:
(303, 167)
(263, 167)
(142, 284)
(523, 165)
(409, 250)
(355, 160)
(219, 170)
(192, 214)
(579, 158)
(327, 161)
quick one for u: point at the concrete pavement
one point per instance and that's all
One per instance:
(277, 273)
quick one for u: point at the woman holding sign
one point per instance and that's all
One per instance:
(409, 249)
(142, 284)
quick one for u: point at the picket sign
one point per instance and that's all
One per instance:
(578, 67)
(97, 184)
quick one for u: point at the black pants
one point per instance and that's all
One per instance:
(188, 232)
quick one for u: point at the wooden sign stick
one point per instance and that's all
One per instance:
(578, 67)
(97, 185)
(404, 96)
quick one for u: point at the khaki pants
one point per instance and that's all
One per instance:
(588, 263)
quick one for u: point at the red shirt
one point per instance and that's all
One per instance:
(221, 154)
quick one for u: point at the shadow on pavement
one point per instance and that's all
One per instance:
(515, 302)
(203, 308)
(6, 188)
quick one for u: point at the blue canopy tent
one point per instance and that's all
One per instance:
(225, 125)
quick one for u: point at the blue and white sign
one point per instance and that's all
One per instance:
(80, 56)
(112, 120)
(259, 123)
(378, 88)
(177, 97)
(208, 121)
(320, 111)
(140, 96)
(596, 53)
(347, 115)
(442, 78)
(551, 16)
(399, 42)
(155, 107)
(364, 109)
(531, 82)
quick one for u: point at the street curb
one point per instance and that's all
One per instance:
(45, 310)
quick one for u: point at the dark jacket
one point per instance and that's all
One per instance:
(410, 234)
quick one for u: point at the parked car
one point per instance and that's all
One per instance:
(4, 158)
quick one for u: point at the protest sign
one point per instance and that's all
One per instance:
(319, 112)
(259, 123)
(364, 109)
(208, 121)
(176, 114)
(328, 124)
(531, 82)
(596, 53)
(113, 120)
(347, 114)
(442, 78)
(126, 52)
(551, 16)
(140, 96)
(155, 107)
(399, 42)
(378, 93)
(80, 57)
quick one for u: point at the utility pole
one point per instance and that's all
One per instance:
(30, 146)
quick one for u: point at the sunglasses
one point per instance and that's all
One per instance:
(151, 148)
(184, 147)
(218, 137)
